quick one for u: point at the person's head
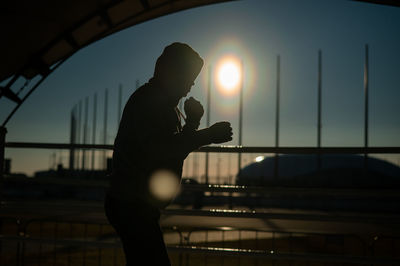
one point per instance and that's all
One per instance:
(177, 68)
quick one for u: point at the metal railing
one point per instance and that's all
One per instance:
(32, 245)
(49, 242)
(225, 148)
(319, 151)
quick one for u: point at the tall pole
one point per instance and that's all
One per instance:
(94, 127)
(105, 127)
(85, 128)
(366, 66)
(218, 168)
(319, 126)
(119, 105)
(319, 98)
(72, 139)
(240, 115)
(229, 168)
(208, 115)
(278, 88)
(195, 164)
(78, 135)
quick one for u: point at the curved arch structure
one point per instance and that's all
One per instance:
(39, 35)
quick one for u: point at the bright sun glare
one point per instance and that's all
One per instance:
(228, 74)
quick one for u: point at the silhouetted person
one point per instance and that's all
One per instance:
(151, 138)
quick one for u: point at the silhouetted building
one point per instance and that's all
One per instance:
(336, 170)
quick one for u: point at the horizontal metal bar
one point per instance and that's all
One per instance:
(71, 242)
(393, 219)
(267, 254)
(300, 150)
(223, 149)
(366, 218)
(273, 255)
(165, 229)
(67, 146)
(294, 191)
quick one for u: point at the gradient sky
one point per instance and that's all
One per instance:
(256, 31)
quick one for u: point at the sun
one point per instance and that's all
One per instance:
(229, 74)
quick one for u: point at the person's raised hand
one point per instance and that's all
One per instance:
(220, 132)
(193, 110)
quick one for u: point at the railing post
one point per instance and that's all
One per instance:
(3, 132)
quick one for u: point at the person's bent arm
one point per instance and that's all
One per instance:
(180, 144)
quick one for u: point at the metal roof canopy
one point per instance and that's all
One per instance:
(39, 35)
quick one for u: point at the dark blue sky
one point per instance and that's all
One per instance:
(256, 31)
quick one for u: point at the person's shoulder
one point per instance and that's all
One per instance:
(145, 102)
(141, 96)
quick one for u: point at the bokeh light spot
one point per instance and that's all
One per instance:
(164, 185)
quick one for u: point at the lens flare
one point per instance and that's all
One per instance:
(164, 185)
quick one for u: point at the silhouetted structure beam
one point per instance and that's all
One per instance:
(9, 84)
(6, 92)
(29, 92)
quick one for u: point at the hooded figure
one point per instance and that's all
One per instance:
(151, 140)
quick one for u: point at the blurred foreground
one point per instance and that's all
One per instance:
(77, 233)
(300, 210)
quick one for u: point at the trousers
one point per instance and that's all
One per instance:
(137, 225)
